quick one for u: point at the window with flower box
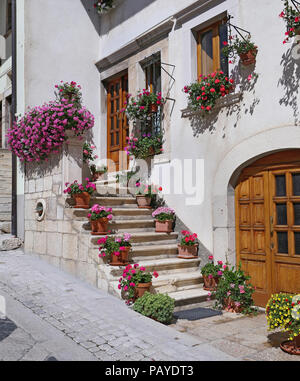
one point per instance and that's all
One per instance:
(210, 43)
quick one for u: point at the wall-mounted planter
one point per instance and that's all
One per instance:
(248, 58)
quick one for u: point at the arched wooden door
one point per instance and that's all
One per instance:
(267, 201)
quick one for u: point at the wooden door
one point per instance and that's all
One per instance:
(117, 123)
(268, 224)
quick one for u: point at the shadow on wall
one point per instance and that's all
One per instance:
(124, 10)
(290, 81)
(208, 122)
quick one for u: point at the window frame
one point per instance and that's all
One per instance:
(216, 47)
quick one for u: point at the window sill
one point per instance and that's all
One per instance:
(226, 101)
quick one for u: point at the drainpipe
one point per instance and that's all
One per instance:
(14, 230)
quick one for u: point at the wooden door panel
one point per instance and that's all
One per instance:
(287, 277)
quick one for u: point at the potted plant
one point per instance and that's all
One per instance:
(99, 217)
(110, 248)
(104, 6)
(164, 218)
(145, 194)
(283, 311)
(98, 171)
(125, 247)
(158, 307)
(141, 106)
(203, 94)
(291, 16)
(234, 291)
(69, 92)
(211, 274)
(80, 193)
(135, 281)
(244, 48)
(188, 247)
(145, 146)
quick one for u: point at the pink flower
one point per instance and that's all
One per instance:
(210, 257)
(249, 77)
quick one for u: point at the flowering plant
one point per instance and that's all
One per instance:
(124, 240)
(88, 153)
(234, 286)
(211, 270)
(292, 18)
(109, 246)
(42, 129)
(98, 211)
(98, 168)
(140, 107)
(132, 276)
(69, 92)
(283, 311)
(188, 239)
(103, 6)
(238, 46)
(208, 90)
(147, 190)
(164, 214)
(145, 146)
(76, 188)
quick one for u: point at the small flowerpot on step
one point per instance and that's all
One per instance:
(292, 346)
(125, 255)
(187, 252)
(82, 200)
(99, 226)
(210, 284)
(144, 202)
(116, 260)
(164, 226)
(231, 306)
(141, 288)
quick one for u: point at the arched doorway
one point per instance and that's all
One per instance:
(267, 204)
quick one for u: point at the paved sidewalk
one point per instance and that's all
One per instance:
(57, 316)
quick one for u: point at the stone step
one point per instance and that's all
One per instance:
(115, 189)
(131, 225)
(113, 201)
(142, 238)
(177, 282)
(189, 297)
(167, 266)
(120, 213)
(155, 251)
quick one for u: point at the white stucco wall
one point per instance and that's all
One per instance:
(270, 105)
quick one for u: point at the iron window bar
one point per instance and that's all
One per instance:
(296, 4)
(236, 28)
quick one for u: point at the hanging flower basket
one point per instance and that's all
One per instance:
(291, 16)
(244, 48)
(248, 58)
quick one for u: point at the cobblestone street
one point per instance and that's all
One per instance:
(54, 316)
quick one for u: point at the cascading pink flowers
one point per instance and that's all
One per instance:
(41, 131)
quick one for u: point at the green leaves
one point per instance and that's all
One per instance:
(156, 306)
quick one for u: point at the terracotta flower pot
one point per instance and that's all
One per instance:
(144, 202)
(82, 200)
(248, 58)
(116, 260)
(141, 288)
(188, 252)
(210, 284)
(164, 226)
(97, 175)
(99, 226)
(125, 255)
(153, 107)
(291, 347)
(230, 306)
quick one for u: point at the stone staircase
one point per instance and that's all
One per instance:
(179, 278)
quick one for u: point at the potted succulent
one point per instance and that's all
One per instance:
(291, 16)
(141, 106)
(244, 48)
(125, 247)
(98, 171)
(158, 307)
(99, 217)
(203, 94)
(211, 274)
(164, 218)
(135, 281)
(145, 194)
(110, 248)
(188, 247)
(234, 291)
(80, 193)
(283, 311)
(145, 146)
